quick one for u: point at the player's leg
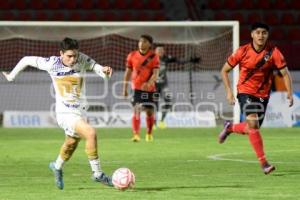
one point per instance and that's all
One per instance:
(149, 122)
(136, 120)
(167, 96)
(87, 132)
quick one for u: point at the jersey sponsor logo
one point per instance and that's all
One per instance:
(66, 73)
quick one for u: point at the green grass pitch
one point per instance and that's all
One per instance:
(179, 164)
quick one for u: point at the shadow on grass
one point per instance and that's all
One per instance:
(158, 189)
(286, 173)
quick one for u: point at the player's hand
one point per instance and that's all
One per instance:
(107, 71)
(7, 76)
(291, 100)
(230, 98)
(146, 86)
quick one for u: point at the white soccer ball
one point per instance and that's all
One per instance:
(123, 178)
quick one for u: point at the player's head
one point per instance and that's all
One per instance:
(259, 33)
(69, 51)
(145, 43)
(160, 50)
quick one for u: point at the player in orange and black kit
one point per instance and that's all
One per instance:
(142, 66)
(256, 60)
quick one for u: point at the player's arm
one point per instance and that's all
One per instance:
(151, 82)
(288, 84)
(103, 71)
(22, 64)
(127, 76)
(224, 74)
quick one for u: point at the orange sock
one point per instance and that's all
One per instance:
(239, 128)
(257, 144)
(150, 123)
(136, 123)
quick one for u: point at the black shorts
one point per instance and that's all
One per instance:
(250, 104)
(146, 99)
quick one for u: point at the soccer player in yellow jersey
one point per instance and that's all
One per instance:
(67, 72)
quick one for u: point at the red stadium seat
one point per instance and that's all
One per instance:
(120, 4)
(5, 5)
(254, 17)
(91, 16)
(36, 5)
(220, 15)
(57, 16)
(230, 4)
(41, 16)
(271, 18)
(277, 33)
(109, 16)
(127, 16)
(246, 4)
(24, 16)
(294, 34)
(143, 16)
(288, 18)
(238, 16)
(70, 5)
(215, 5)
(86, 4)
(279, 4)
(295, 4)
(160, 16)
(53, 4)
(153, 5)
(263, 4)
(7, 15)
(103, 4)
(245, 34)
(75, 16)
(136, 4)
(19, 5)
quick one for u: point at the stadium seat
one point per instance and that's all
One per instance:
(86, 4)
(74, 16)
(288, 18)
(214, 5)
(19, 5)
(160, 16)
(120, 4)
(36, 5)
(41, 15)
(102, 4)
(245, 34)
(238, 16)
(246, 4)
(24, 15)
(277, 33)
(254, 17)
(271, 18)
(69, 5)
(91, 16)
(53, 4)
(263, 5)
(127, 16)
(143, 16)
(109, 16)
(57, 16)
(230, 4)
(295, 4)
(294, 33)
(136, 4)
(279, 4)
(8, 15)
(153, 5)
(220, 15)
(5, 5)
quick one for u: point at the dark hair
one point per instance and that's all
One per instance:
(69, 44)
(147, 37)
(259, 25)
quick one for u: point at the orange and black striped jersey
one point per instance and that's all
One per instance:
(142, 67)
(256, 68)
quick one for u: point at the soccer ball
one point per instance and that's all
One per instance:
(123, 178)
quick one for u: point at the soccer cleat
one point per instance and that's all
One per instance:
(135, 138)
(149, 138)
(58, 175)
(162, 125)
(267, 168)
(224, 133)
(104, 179)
